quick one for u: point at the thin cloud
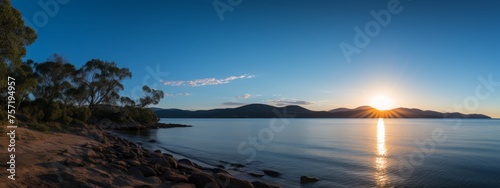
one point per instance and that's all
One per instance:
(245, 96)
(233, 104)
(286, 101)
(206, 81)
(176, 94)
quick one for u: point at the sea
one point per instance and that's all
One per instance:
(340, 152)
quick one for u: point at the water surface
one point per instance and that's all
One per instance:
(343, 152)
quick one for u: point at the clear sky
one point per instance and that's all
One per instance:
(429, 55)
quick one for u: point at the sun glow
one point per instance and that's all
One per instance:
(381, 103)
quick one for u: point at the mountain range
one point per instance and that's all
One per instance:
(267, 111)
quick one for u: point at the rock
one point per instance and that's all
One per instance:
(152, 141)
(201, 179)
(157, 151)
(98, 149)
(221, 166)
(121, 181)
(90, 154)
(121, 163)
(218, 170)
(159, 160)
(105, 183)
(256, 174)
(177, 185)
(146, 171)
(118, 167)
(67, 176)
(259, 184)
(228, 181)
(237, 165)
(171, 161)
(74, 162)
(271, 173)
(133, 163)
(187, 168)
(143, 186)
(185, 161)
(307, 179)
(174, 177)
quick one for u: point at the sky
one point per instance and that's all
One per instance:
(433, 55)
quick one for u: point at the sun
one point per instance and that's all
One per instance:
(381, 102)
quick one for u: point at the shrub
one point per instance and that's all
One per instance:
(82, 114)
(143, 115)
(78, 123)
(38, 127)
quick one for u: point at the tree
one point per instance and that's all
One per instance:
(25, 81)
(101, 81)
(126, 101)
(14, 35)
(151, 96)
(54, 78)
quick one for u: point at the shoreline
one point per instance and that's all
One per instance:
(73, 160)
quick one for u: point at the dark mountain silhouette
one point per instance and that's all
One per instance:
(267, 111)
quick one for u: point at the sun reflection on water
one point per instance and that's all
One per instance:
(380, 160)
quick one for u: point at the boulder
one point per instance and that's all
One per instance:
(272, 173)
(228, 181)
(159, 160)
(177, 185)
(307, 179)
(256, 174)
(152, 141)
(185, 161)
(171, 161)
(259, 184)
(146, 171)
(201, 179)
(174, 177)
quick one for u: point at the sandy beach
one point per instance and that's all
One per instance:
(89, 157)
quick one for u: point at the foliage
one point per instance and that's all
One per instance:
(39, 127)
(151, 96)
(101, 81)
(126, 101)
(143, 115)
(54, 78)
(14, 35)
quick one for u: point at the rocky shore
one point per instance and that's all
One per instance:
(110, 125)
(97, 158)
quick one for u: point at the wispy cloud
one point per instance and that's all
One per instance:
(206, 81)
(233, 104)
(176, 94)
(288, 101)
(245, 96)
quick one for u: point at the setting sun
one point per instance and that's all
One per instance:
(381, 103)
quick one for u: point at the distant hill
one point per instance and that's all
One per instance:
(267, 111)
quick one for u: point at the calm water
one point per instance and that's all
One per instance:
(343, 152)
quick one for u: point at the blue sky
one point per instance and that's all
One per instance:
(428, 56)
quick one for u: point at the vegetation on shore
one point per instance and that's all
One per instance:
(53, 94)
